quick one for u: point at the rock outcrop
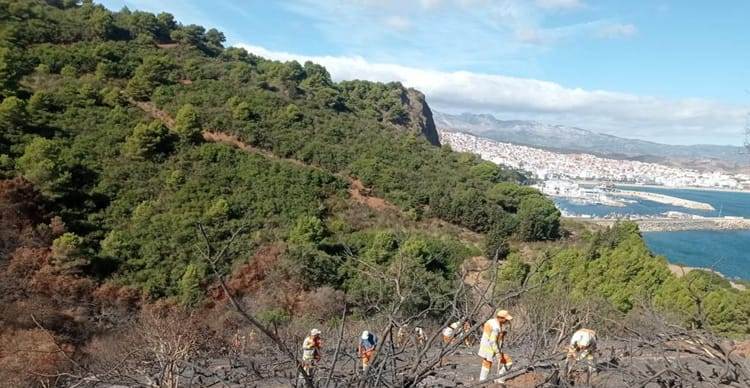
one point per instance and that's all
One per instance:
(420, 115)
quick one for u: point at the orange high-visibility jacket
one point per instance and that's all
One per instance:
(489, 347)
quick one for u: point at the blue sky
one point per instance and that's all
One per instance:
(671, 71)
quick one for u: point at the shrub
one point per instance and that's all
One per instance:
(513, 272)
(308, 230)
(43, 164)
(315, 268)
(154, 71)
(149, 140)
(274, 317)
(69, 71)
(538, 219)
(322, 303)
(190, 291)
(187, 124)
(496, 244)
(67, 253)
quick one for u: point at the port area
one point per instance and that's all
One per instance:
(607, 194)
(585, 193)
(674, 224)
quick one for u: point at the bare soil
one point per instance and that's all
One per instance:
(360, 194)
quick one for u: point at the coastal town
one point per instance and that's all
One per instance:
(586, 179)
(568, 167)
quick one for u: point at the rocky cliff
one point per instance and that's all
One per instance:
(420, 115)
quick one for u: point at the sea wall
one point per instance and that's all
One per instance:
(673, 225)
(659, 225)
(667, 200)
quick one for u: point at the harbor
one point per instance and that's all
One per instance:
(691, 235)
(609, 195)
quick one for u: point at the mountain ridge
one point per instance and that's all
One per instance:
(574, 139)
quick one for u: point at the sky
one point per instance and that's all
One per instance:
(671, 71)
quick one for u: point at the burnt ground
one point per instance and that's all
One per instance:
(619, 365)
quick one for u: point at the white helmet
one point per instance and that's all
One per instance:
(503, 314)
(365, 335)
(314, 332)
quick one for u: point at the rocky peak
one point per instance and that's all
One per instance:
(420, 115)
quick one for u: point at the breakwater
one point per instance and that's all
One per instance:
(667, 200)
(674, 225)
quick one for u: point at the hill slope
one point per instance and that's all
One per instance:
(106, 114)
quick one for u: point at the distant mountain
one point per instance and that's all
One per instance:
(572, 139)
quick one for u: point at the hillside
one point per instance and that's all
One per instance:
(83, 138)
(176, 212)
(572, 139)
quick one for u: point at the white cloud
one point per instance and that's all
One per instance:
(429, 4)
(397, 22)
(558, 4)
(531, 35)
(550, 36)
(623, 114)
(498, 32)
(617, 30)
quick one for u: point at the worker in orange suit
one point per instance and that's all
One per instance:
(420, 336)
(366, 348)
(311, 351)
(491, 345)
(582, 349)
(450, 332)
(402, 336)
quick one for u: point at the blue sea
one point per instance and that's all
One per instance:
(727, 252)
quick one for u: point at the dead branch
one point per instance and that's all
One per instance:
(213, 260)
